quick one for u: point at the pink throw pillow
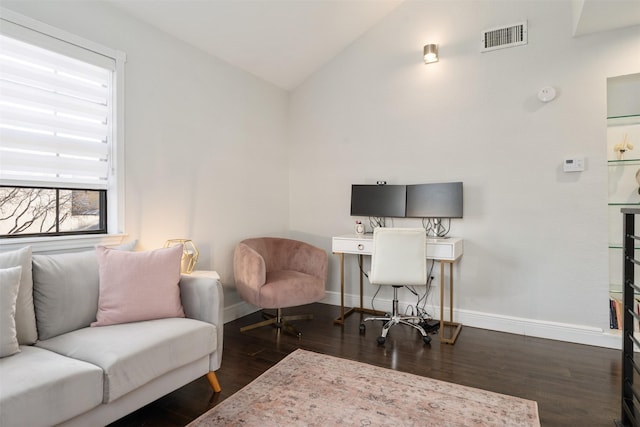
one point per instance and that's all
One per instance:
(137, 286)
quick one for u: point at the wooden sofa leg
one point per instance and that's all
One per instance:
(213, 381)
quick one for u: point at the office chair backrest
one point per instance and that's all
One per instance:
(399, 256)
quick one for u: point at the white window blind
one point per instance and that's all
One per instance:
(56, 117)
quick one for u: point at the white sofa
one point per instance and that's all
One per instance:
(74, 374)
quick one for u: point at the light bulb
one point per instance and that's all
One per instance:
(430, 53)
(430, 57)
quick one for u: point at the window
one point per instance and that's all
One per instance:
(60, 144)
(51, 211)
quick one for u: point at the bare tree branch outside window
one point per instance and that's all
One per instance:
(45, 211)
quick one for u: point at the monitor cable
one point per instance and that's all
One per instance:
(376, 221)
(435, 227)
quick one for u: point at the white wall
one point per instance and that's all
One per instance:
(535, 258)
(206, 153)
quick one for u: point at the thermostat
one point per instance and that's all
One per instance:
(574, 164)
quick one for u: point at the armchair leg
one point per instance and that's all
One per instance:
(269, 321)
(298, 317)
(213, 382)
(279, 321)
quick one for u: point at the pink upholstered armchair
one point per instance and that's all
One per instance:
(275, 273)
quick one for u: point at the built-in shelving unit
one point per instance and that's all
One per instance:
(624, 192)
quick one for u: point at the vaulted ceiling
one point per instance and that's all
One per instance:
(285, 41)
(280, 41)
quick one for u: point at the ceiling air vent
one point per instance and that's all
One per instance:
(509, 36)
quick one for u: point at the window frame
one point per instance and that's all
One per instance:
(116, 188)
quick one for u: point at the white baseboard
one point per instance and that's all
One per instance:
(238, 310)
(578, 334)
(515, 325)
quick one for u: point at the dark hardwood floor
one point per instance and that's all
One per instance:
(574, 385)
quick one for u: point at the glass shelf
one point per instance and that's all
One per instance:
(619, 246)
(617, 292)
(622, 161)
(623, 120)
(623, 191)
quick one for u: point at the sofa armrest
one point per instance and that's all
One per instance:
(203, 299)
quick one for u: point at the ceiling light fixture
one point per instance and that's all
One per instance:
(430, 53)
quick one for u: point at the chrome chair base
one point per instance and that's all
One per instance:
(396, 319)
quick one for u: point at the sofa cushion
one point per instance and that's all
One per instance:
(25, 314)
(65, 289)
(9, 285)
(42, 388)
(132, 354)
(137, 286)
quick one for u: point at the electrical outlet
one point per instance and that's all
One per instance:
(433, 282)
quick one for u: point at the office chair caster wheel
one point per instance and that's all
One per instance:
(381, 340)
(426, 339)
(362, 328)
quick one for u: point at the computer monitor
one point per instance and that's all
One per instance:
(378, 200)
(439, 200)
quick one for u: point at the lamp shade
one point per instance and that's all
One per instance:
(430, 53)
(189, 254)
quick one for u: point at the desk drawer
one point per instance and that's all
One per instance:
(448, 249)
(352, 246)
(444, 249)
(438, 251)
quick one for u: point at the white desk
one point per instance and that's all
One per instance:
(445, 251)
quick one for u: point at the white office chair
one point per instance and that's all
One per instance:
(399, 259)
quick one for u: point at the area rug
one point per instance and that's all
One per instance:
(311, 389)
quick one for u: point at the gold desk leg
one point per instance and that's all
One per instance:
(340, 320)
(361, 281)
(442, 301)
(450, 322)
